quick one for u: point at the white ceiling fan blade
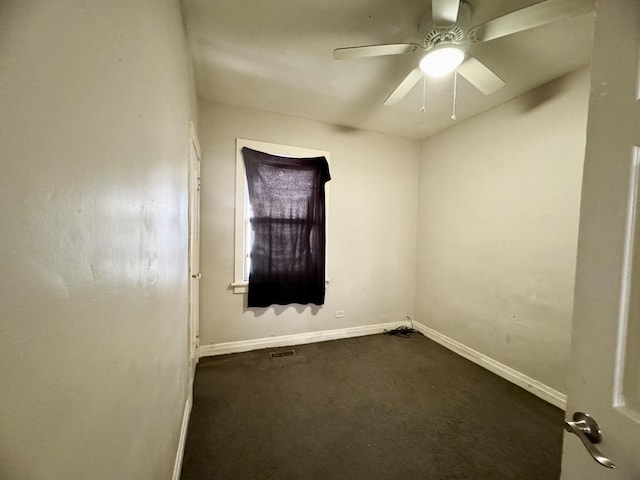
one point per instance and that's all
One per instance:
(445, 12)
(374, 50)
(480, 76)
(529, 17)
(405, 86)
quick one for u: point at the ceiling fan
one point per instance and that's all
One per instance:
(446, 44)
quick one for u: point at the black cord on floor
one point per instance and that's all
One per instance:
(403, 332)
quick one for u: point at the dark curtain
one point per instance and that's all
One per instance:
(288, 222)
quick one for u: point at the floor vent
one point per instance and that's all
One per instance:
(284, 353)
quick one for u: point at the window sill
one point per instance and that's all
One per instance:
(240, 287)
(243, 287)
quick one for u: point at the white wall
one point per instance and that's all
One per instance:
(371, 226)
(94, 104)
(497, 228)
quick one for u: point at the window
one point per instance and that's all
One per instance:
(243, 231)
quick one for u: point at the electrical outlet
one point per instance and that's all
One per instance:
(339, 313)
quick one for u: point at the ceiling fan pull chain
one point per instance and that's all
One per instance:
(424, 93)
(455, 94)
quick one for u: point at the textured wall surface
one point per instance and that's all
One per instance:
(94, 108)
(498, 225)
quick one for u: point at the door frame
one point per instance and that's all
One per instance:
(194, 248)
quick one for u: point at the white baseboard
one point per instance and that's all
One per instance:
(539, 389)
(534, 386)
(177, 466)
(296, 339)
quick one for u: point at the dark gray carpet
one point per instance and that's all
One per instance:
(376, 407)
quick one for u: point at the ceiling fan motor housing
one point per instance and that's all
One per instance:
(449, 34)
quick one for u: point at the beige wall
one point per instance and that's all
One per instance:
(94, 105)
(371, 226)
(497, 228)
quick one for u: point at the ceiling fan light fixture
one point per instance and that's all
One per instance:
(441, 61)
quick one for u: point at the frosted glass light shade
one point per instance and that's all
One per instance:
(442, 61)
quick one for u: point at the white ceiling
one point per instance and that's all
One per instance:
(276, 55)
